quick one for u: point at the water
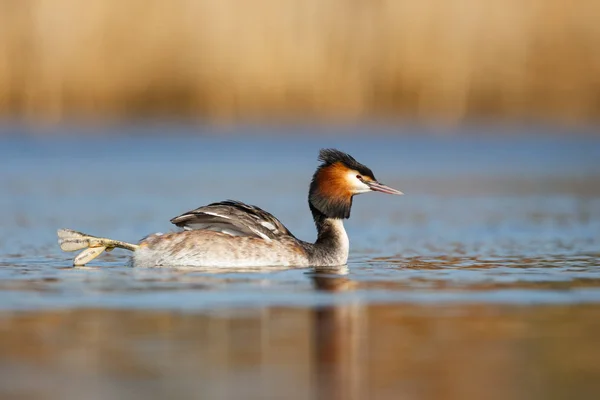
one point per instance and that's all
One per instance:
(485, 275)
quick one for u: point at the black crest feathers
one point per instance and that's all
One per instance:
(331, 156)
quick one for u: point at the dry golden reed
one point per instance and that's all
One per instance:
(346, 59)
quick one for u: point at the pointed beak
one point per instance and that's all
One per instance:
(380, 187)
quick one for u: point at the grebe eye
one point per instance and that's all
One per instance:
(360, 178)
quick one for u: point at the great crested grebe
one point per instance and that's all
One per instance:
(234, 234)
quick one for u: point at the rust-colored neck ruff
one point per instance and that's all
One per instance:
(330, 193)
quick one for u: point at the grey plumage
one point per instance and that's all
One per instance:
(233, 218)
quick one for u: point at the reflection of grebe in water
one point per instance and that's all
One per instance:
(338, 329)
(332, 279)
(234, 234)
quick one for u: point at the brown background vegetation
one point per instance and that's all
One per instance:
(346, 59)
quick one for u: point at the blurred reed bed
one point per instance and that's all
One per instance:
(230, 59)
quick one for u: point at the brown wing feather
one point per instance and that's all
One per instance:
(234, 218)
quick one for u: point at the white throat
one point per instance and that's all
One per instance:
(340, 238)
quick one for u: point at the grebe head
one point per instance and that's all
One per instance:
(337, 180)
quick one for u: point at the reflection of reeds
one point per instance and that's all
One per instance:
(386, 351)
(334, 58)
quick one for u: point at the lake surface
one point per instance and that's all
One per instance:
(483, 281)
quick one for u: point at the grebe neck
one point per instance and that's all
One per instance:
(332, 245)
